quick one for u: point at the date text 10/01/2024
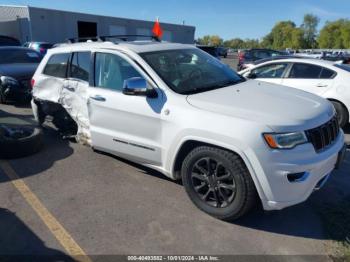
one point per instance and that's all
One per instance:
(173, 258)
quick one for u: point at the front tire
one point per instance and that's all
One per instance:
(218, 182)
(342, 114)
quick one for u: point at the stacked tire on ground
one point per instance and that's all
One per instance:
(19, 141)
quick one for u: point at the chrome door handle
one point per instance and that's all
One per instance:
(321, 85)
(98, 98)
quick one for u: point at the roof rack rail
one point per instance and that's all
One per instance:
(82, 39)
(127, 37)
(106, 37)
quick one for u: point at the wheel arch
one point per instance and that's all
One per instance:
(189, 144)
(337, 100)
(340, 102)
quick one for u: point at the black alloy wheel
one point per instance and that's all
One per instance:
(213, 183)
(218, 182)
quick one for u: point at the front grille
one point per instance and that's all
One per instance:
(324, 135)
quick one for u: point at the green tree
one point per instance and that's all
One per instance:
(298, 40)
(284, 34)
(213, 40)
(251, 43)
(335, 34)
(216, 40)
(345, 33)
(205, 40)
(235, 43)
(238, 43)
(309, 27)
(267, 41)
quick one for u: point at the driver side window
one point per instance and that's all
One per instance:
(270, 71)
(111, 71)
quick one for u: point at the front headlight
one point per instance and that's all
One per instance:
(7, 80)
(285, 140)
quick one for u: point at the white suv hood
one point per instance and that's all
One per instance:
(282, 108)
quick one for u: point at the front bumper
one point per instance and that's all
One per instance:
(274, 167)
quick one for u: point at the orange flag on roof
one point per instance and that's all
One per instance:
(157, 30)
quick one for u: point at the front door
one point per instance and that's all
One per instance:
(124, 125)
(271, 73)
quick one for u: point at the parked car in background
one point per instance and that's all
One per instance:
(17, 66)
(324, 78)
(246, 58)
(41, 47)
(231, 51)
(272, 58)
(222, 51)
(212, 50)
(310, 54)
(179, 110)
(9, 41)
(344, 57)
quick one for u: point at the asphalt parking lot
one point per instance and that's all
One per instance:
(109, 206)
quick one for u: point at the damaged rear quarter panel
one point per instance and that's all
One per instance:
(72, 95)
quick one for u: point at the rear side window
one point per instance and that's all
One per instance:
(80, 66)
(305, 71)
(57, 65)
(327, 74)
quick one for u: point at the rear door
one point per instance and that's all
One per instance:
(311, 78)
(75, 93)
(53, 78)
(129, 126)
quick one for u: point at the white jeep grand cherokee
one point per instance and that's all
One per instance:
(176, 109)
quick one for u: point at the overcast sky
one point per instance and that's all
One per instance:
(227, 18)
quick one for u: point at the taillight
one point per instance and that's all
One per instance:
(32, 82)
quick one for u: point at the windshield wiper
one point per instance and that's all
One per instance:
(213, 87)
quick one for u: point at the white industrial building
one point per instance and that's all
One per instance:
(28, 23)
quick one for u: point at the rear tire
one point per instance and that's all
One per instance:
(218, 182)
(342, 114)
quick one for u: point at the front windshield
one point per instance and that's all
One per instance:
(190, 71)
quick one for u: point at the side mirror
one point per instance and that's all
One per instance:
(137, 86)
(252, 75)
